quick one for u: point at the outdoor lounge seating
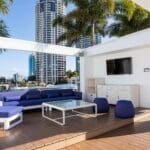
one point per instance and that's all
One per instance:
(124, 109)
(10, 116)
(102, 105)
(34, 97)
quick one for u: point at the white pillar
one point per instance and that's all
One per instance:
(82, 76)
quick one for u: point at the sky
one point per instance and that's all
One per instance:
(21, 25)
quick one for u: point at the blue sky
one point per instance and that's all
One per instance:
(21, 24)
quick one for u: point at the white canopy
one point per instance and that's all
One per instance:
(144, 3)
(22, 45)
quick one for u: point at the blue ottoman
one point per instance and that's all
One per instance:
(10, 116)
(124, 109)
(102, 105)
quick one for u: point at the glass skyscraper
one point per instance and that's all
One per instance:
(85, 42)
(49, 67)
(31, 65)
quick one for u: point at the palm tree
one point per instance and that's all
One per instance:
(129, 18)
(73, 30)
(88, 18)
(4, 6)
(3, 29)
(4, 9)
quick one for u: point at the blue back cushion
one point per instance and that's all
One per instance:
(50, 93)
(32, 94)
(67, 92)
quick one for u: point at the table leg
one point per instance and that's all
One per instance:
(42, 111)
(63, 113)
(96, 110)
(50, 109)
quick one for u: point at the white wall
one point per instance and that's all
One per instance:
(96, 67)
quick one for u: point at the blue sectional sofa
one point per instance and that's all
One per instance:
(35, 97)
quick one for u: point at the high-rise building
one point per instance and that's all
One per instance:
(49, 67)
(85, 42)
(31, 65)
(17, 77)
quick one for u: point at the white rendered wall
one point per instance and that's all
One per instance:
(96, 67)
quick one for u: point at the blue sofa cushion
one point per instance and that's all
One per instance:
(11, 103)
(32, 102)
(31, 94)
(8, 111)
(12, 95)
(50, 93)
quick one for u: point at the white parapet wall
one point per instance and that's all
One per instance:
(135, 40)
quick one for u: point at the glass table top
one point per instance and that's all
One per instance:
(68, 104)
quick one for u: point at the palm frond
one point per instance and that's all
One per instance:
(3, 29)
(4, 6)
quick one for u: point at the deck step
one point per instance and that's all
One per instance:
(93, 133)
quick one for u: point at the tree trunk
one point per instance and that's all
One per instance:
(93, 34)
(81, 46)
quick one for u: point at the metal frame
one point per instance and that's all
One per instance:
(25, 108)
(46, 107)
(7, 121)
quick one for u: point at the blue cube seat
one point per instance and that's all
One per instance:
(8, 111)
(102, 105)
(124, 109)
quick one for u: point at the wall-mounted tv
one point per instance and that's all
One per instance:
(119, 66)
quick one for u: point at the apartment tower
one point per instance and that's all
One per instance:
(49, 68)
(32, 65)
(85, 42)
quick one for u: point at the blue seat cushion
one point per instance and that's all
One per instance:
(8, 111)
(32, 102)
(11, 103)
(12, 95)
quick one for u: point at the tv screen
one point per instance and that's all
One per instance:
(119, 66)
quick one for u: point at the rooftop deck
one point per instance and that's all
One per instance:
(38, 133)
(133, 137)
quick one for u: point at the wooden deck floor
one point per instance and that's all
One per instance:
(38, 133)
(131, 137)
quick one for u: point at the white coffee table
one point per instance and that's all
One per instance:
(65, 105)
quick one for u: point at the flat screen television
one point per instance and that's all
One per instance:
(119, 66)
